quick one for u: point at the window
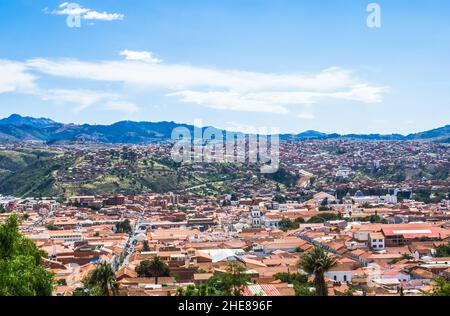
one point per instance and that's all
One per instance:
(345, 278)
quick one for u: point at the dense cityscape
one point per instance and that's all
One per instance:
(213, 157)
(378, 211)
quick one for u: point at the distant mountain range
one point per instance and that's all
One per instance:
(16, 119)
(19, 128)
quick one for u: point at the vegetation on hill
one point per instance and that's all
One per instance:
(37, 173)
(284, 177)
(35, 178)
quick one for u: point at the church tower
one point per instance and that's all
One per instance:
(256, 217)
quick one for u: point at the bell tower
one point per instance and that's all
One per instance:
(256, 217)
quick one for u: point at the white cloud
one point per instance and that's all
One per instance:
(122, 106)
(82, 99)
(102, 16)
(67, 10)
(362, 93)
(179, 77)
(222, 89)
(140, 56)
(14, 77)
(74, 9)
(306, 116)
(229, 101)
(217, 88)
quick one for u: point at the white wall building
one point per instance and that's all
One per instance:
(377, 241)
(340, 273)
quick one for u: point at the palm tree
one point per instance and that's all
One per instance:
(103, 278)
(317, 262)
(158, 268)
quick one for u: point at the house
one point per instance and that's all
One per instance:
(286, 244)
(340, 273)
(272, 220)
(202, 278)
(363, 231)
(322, 196)
(377, 241)
(67, 236)
(405, 234)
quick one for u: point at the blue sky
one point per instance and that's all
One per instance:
(292, 64)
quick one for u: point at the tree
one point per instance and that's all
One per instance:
(52, 227)
(283, 176)
(441, 288)
(322, 218)
(124, 227)
(197, 290)
(21, 273)
(286, 225)
(145, 247)
(346, 293)
(279, 198)
(2, 209)
(155, 268)
(81, 292)
(317, 263)
(372, 219)
(302, 289)
(442, 251)
(237, 278)
(102, 281)
(62, 282)
(291, 278)
(302, 286)
(221, 283)
(231, 283)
